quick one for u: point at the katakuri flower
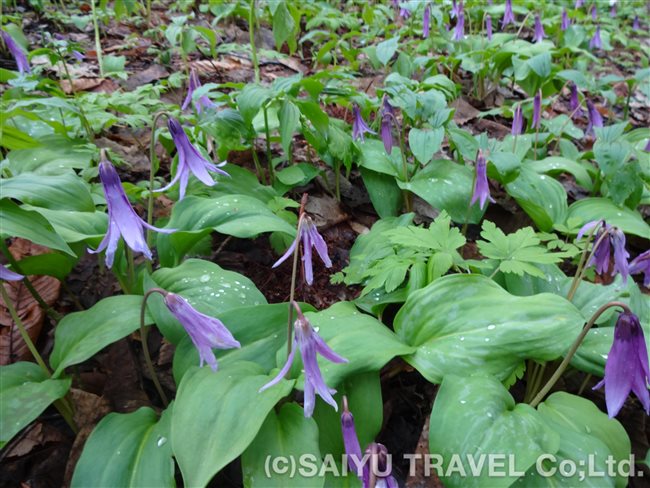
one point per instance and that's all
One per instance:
(595, 119)
(574, 101)
(626, 368)
(566, 22)
(508, 15)
(594, 13)
(309, 343)
(190, 160)
(426, 21)
(206, 332)
(488, 27)
(404, 12)
(359, 126)
(122, 219)
(387, 121)
(459, 31)
(636, 25)
(537, 109)
(203, 101)
(539, 30)
(454, 9)
(308, 233)
(612, 11)
(374, 464)
(8, 275)
(596, 42)
(17, 52)
(641, 264)
(517, 121)
(579, 3)
(606, 238)
(481, 186)
(78, 56)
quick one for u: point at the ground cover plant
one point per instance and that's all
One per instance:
(320, 243)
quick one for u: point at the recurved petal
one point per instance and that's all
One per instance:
(284, 370)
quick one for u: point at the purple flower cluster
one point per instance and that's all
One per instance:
(606, 239)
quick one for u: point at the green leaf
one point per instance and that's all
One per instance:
(588, 209)
(283, 24)
(288, 434)
(25, 391)
(80, 335)
(128, 450)
(386, 50)
(217, 415)
(55, 155)
(475, 417)
(289, 116)
(557, 164)
(319, 119)
(469, 316)
(425, 143)
(209, 288)
(374, 157)
(250, 100)
(52, 264)
(12, 138)
(58, 192)
(18, 222)
(76, 226)
(385, 195)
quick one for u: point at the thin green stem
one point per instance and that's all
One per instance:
(145, 345)
(583, 260)
(256, 160)
(82, 115)
(130, 268)
(152, 173)
(405, 168)
(574, 347)
(269, 156)
(98, 43)
(251, 33)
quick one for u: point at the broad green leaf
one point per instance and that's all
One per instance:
(557, 164)
(475, 417)
(425, 143)
(289, 116)
(446, 185)
(250, 100)
(289, 434)
(55, 155)
(315, 114)
(66, 191)
(588, 209)
(386, 50)
(217, 415)
(463, 323)
(385, 195)
(25, 391)
(209, 288)
(76, 226)
(374, 157)
(283, 24)
(18, 222)
(128, 450)
(54, 264)
(80, 335)
(242, 182)
(13, 138)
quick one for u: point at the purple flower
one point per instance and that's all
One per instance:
(508, 15)
(387, 120)
(308, 232)
(206, 332)
(404, 12)
(454, 9)
(203, 102)
(612, 11)
(566, 22)
(537, 109)
(594, 13)
(517, 121)
(426, 21)
(459, 31)
(596, 42)
(574, 101)
(190, 160)
(374, 464)
(539, 30)
(481, 187)
(635, 23)
(17, 52)
(8, 275)
(359, 126)
(78, 56)
(122, 219)
(626, 368)
(307, 340)
(595, 119)
(607, 238)
(621, 256)
(579, 3)
(488, 27)
(641, 264)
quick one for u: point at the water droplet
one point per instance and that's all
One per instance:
(462, 338)
(161, 441)
(491, 327)
(463, 402)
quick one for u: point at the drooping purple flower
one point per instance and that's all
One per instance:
(626, 368)
(404, 12)
(579, 3)
(612, 11)
(517, 121)
(374, 464)
(308, 232)
(574, 101)
(641, 264)
(17, 52)
(206, 332)
(594, 13)
(307, 340)
(454, 9)
(426, 21)
(635, 23)
(537, 109)
(621, 256)
(387, 121)
(566, 22)
(481, 191)
(647, 146)
(596, 42)
(459, 31)
(508, 15)
(78, 56)
(488, 27)
(606, 238)
(595, 119)
(203, 102)
(8, 275)
(190, 160)
(359, 126)
(122, 219)
(539, 30)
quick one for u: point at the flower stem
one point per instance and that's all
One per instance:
(574, 348)
(145, 346)
(130, 268)
(152, 173)
(269, 156)
(251, 33)
(98, 43)
(583, 261)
